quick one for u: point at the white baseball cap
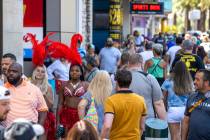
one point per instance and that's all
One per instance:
(4, 93)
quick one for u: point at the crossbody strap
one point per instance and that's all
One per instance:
(196, 105)
(155, 66)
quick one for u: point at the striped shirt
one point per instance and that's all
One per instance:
(25, 102)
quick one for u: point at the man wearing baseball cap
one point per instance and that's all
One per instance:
(22, 129)
(4, 107)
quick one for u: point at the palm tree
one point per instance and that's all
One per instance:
(203, 5)
(186, 6)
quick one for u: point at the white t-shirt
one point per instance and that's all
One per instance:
(146, 55)
(172, 53)
(206, 46)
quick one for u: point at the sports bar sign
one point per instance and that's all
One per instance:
(147, 8)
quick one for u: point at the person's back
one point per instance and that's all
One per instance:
(109, 58)
(142, 85)
(128, 108)
(156, 70)
(192, 61)
(147, 54)
(124, 111)
(147, 86)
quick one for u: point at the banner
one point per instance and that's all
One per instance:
(32, 23)
(33, 13)
(115, 20)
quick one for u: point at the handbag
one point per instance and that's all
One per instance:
(92, 115)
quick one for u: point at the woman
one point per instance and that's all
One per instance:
(201, 52)
(40, 79)
(91, 53)
(156, 65)
(82, 130)
(70, 96)
(207, 60)
(176, 90)
(100, 88)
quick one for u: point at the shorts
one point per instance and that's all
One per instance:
(175, 114)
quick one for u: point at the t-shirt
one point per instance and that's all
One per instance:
(148, 87)
(192, 62)
(128, 109)
(91, 74)
(109, 58)
(172, 53)
(173, 99)
(199, 124)
(25, 102)
(146, 55)
(206, 46)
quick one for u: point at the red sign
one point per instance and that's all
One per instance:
(33, 13)
(138, 8)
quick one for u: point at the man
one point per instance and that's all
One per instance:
(147, 54)
(187, 36)
(6, 61)
(109, 57)
(26, 100)
(147, 86)
(160, 39)
(139, 39)
(91, 67)
(4, 108)
(125, 111)
(22, 129)
(171, 53)
(196, 123)
(192, 61)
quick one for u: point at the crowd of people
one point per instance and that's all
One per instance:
(111, 94)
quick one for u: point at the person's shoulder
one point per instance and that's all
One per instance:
(116, 49)
(149, 62)
(85, 83)
(167, 83)
(193, 95)
(31, 86)
(137, 96)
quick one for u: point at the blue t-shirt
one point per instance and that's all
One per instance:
(99, 109)
(173, 99)
(109, 58)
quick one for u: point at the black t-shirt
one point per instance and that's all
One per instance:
(199, 125)
(192, 61)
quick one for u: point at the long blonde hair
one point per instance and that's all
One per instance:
(101, 86)
(44, 85)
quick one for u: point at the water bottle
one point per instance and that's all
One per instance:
(60, 132)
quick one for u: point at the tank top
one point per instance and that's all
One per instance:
(155, 69)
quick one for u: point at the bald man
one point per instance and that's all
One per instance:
(26, 99)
